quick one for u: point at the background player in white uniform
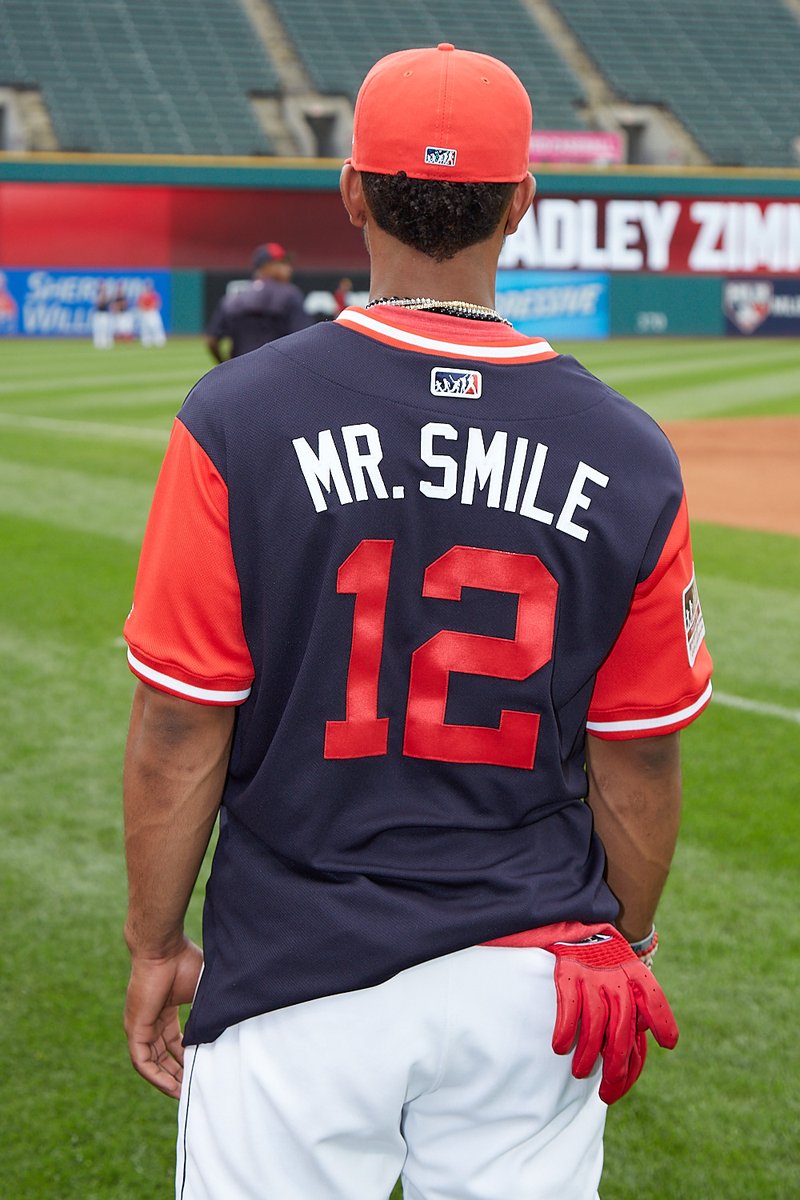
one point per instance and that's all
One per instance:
(102, 320)
(409, 919)
(148, 314)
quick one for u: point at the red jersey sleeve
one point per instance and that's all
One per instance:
(184, 631)
(657, 676)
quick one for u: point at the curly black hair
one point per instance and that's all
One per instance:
(435, 216)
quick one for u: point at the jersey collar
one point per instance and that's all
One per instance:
(437, 334)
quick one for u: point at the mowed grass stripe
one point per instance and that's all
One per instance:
(670, 369)
(116, 406)
(137, 459)
(722, 396)
(68, 500)
(759, 707)
(98, 430)
(652, 351)
(31, 355)
(683, 379)
(76, 384)
(752, 634)
(750, 592)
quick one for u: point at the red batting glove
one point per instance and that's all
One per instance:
(607, 1000)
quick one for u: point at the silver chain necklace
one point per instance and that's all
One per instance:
(451, 308)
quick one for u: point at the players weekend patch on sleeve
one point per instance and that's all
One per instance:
(693, 620)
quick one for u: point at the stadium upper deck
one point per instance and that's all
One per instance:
(179, 76)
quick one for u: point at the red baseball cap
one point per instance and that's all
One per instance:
(443, 114)
(269, 252)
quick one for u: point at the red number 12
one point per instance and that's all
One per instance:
(512, 742)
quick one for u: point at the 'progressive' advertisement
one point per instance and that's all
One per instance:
(554, 304)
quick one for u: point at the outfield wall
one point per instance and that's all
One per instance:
(611, 251)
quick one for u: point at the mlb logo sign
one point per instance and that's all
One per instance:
(748, 303)
(439, 156)
(446, 381)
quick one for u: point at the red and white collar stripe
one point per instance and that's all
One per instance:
(411, 329)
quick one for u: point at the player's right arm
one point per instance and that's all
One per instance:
(214, 348)
(175, 765)
(217, 331)
(187, 647)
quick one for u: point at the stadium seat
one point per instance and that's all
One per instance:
(724, 70)
(136, 77)
(338, 43)
(175, 76)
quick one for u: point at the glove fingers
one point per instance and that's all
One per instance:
(654, 1011)
(568, 1009)
(610, 1091)
(591, 1035)
(620, 1035)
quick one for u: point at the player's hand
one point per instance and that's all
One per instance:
(607, 1000)
(156, 988)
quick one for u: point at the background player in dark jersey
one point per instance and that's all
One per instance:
(408, 576)
(269, 307)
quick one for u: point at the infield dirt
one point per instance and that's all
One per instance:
(743, 472)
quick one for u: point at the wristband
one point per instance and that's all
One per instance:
(646, 948)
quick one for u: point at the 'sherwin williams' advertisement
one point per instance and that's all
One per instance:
(56, 303)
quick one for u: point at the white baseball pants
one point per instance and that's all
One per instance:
(444, 1075)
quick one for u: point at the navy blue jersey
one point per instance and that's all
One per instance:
(422, 555)
(262, 311)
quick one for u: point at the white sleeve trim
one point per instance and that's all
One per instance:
(675, 718)
(184, 689)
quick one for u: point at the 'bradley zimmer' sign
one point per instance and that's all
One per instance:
(684, 236)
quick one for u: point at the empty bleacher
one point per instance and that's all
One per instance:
(339, 42)
(174, 76)
(727, 69)
(153, 76)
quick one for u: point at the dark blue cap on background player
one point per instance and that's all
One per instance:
(269, 252)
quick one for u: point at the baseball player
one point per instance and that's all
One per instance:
(102, 320)
(270, 307)
(416, 616)
(151, 323)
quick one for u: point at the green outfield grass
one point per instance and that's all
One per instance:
(81, 436)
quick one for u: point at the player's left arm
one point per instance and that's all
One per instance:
(175, 766)
(655, 680)
(635, 798)
(607, 998)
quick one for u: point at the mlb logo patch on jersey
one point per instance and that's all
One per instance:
(440, 156)
(447, 381)
(693, 620)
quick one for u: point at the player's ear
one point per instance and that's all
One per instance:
(520, 202)
(353, 196)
